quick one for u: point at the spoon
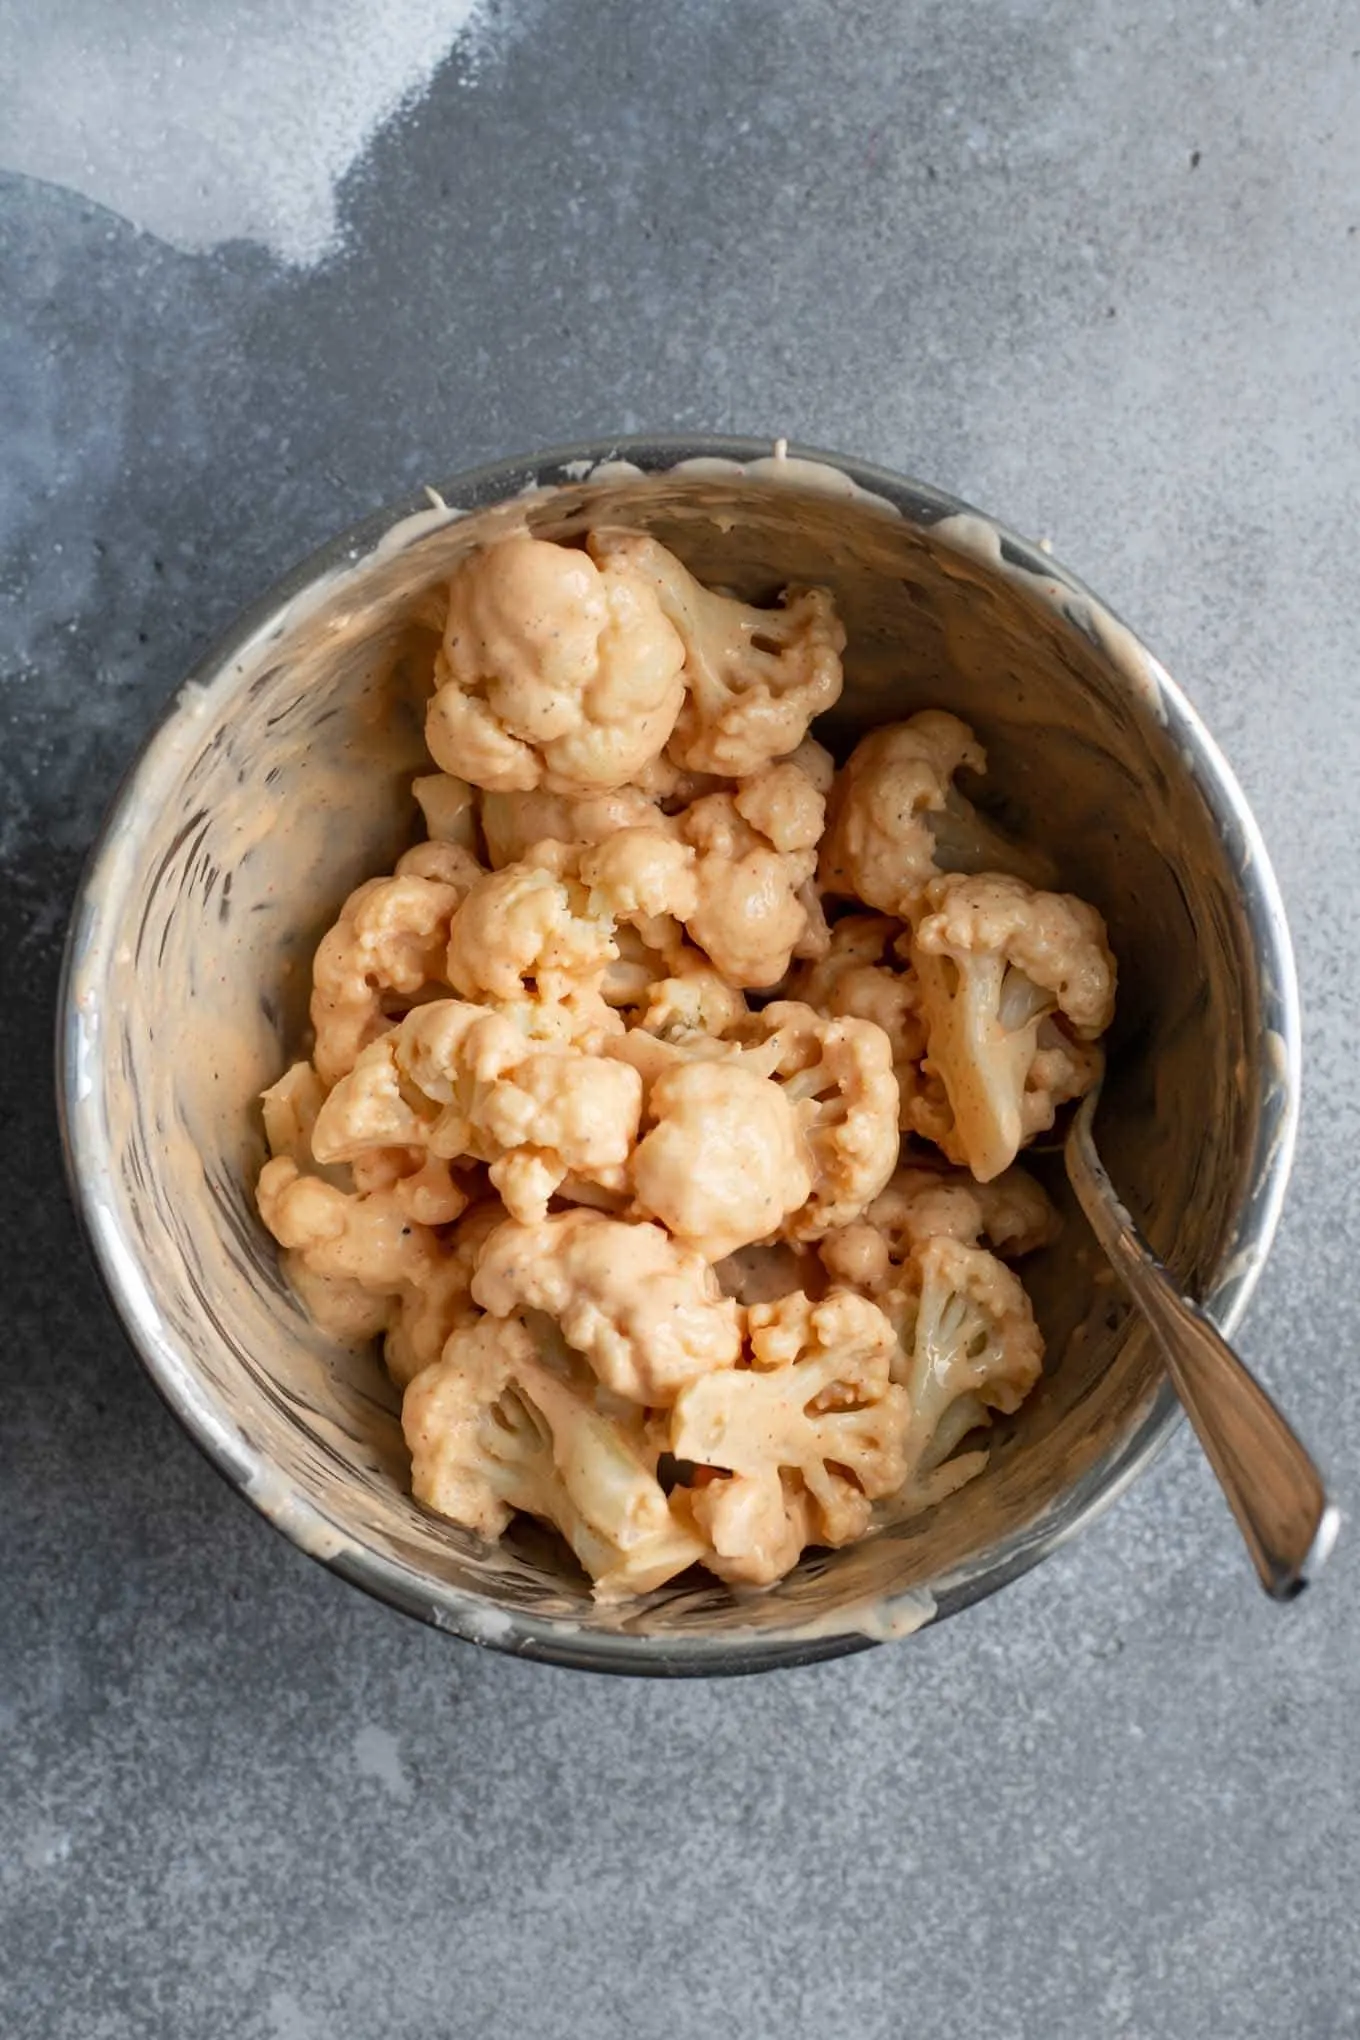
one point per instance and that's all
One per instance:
(1273, 1488)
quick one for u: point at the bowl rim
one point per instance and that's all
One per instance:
(477, 1618)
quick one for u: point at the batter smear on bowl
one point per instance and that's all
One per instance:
(663, 1105)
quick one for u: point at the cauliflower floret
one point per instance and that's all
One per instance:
(839, 1075)
(629, 980)
(754, 678)
(641, 875)
(783, 804)
(750, 917)
(374, 1106)
(338, 1306)
(928, 1200)
(290, 1108)
(581, 1020)
(381, 1168)
(856, 979)
(674, 789)
(526, 932)
(896, 819)
(644, 1311)
(465, 1080)
(860, 944)
(388, 945)
(492, 1429)
(878, 846)
(968, 1344)
(430, 1193)
(559, 1114)
(815, 762)
(514, 822)
(723, 1163)
(365, 1239)
(351, 1259)
(554, 671)
(807, 1437)
(424, 1184)
(340, 1258)
(651, 1055)
(445, 863)
(429, 1312)
(699, 1001)
(995, 960)
(857, 1255)
(449, 806)
(1012, 1213)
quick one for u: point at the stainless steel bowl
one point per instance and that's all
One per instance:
(277, 780)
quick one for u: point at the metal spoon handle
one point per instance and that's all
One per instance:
(1273, 1488)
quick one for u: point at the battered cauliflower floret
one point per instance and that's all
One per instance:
(857, 1255)
(878, 846)
(723, 1161)
(492, 1429)
(646, 1312)
(368, 1239)
(468, 1081)
(428, 1313)
(641, 875)
(629, 980)
(514, 822)
(380, 1168)
(896, 819)
(929, 1200)
(754, 678)
(445, 863)
(815, 762)
(449, 807)
(674, 789)
(734, 869)
(559, 1114)
(374, 1106)
(290, 1107)
(805, 1439)
(430, 1193)
(424, 1185)
(700, 1001)
(859, 978)
(635, 882)
(839, 1076)
(526, 932)
(351, 1259)
(336, 1305)
(968, 1344)
(1015, 984)
(750, 917)
(783, 804)
(1012, 1213)
(387, 946)
(555, 671)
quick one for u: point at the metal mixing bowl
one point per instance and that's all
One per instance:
(278, 780)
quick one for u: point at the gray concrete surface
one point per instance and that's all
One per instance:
(1095, 267)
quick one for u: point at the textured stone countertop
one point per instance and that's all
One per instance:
(1097, 268)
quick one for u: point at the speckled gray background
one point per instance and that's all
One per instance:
(1095, 267)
